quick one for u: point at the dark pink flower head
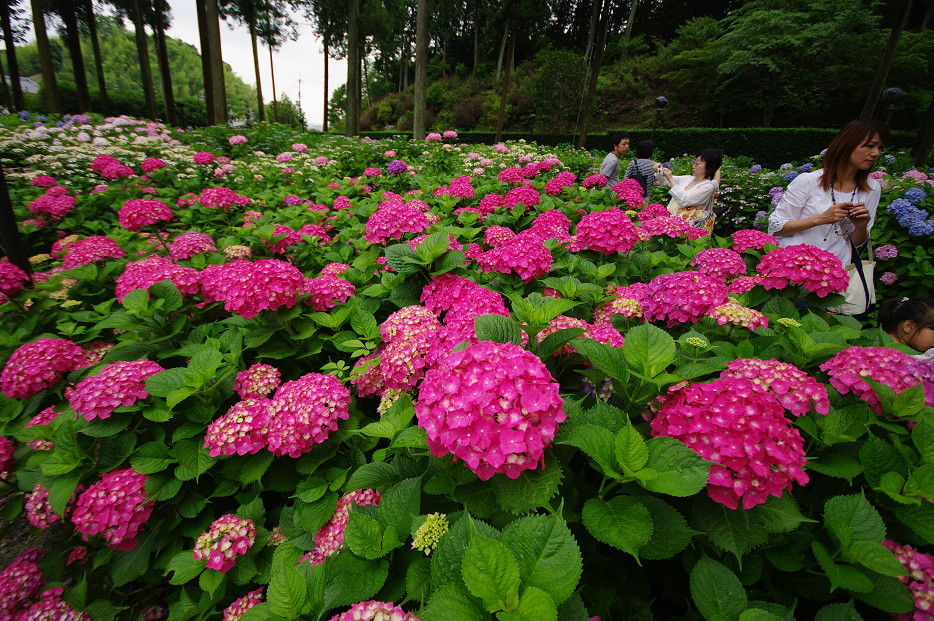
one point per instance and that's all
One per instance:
(732, 422)
(240, 606)
(12, 280)
(598, 180)
(189, 244)
(38, 510)
(490, 203)
(221, 197)
(562, 322)
(524, 194)
(560, 181)
(43, 181)
(794, 389)
(655, 210)
(496, 235)
(119, 384)
(50, 605)
(228, 537)
(753, 239)
(510, 175)
(203, 157)
(291, 238)
(151, 164)
(19, 583)
(889, 366)
(392, 220)
(364, 611)
(257, 381)
(44, 417)
(329, 538)
(719, 262)
(90, 250)
(140, 212)
(115, 507)
(461, 298)
(742, 284)
(493, 405)
(411, 323)
(607, 231)
(305, 411)
(628, 303)
(327, 291)
(243, 430)
(461, 187)
(552, 224)
(146, 272)
(682, 297)
(671, 226)
(924, 371)
(814, 269)
(115, 171)
(39, 365)
(6, 458)
(248, 287)
(55, 206)
(102, 161)
(526, 254)
(366, 375)
(630, 191)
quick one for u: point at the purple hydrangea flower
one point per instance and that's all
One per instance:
(395, 167)
(915, 196)
(886, 252)
(803, 168)
(889, 278)
(755, 168)
(791, 176)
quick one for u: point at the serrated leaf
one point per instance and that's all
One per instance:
(151, 457)
(547, 554)
(531, 490)
(837, 465)
(680, 471)
(446, 559)
(632, 453)
(838, 612)
(607, 358)
(185, 567)
(852, 518)
(399, 504)
(192, 458)
(556, 340)
(734, 531)
(920, 482)
(491, 572)
(376, 475)
(622, 522)
(922, 436)
(286, 593)
(364, 536)
(255, 467)
(780, 515)
(887, 593)
(418, 579)
(920, 519)
(716, 591)
(670, 533)
(162, 487)
(598, 443)
(402, 259)
(450, 260)
(649, 349)
(62, 491)
(451, 602)
(350, 580)
(164, 382)
(758, 614)
(879, 457)
(874, 556)
(166, 290)
(498, 329)
(364, 324)
(840, 576)
(534, 605)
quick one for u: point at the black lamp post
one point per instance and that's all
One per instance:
(659, 103)
(531, 126)
(892, 96)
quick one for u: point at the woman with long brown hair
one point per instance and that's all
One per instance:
(836, 204)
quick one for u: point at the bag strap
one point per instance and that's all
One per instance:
(639, 176)
(858, 264)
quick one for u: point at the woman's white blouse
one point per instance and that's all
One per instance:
(699, 196)
(805, 198)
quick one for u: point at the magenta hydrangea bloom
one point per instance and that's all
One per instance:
(493, 405)
(6, 458)
(719, 262)
(237, 139)
(39, 365)
(291, 238)
(146, 272)
(598, 180)
(51, 607)
(227, 537)
(189, 244)
(327, 291)
(758, 453)
(751, 239)
(924, 371)
(888, 278)
(44, 417)
(12, 280)
(334, 269)
(43, 181)
(919, 580)
(221, 197)
(496, 235)
(670, 226)
(682, 297)
(19, 583)
(242, 430)
(737, 314)
(392, 220)
(38, 510)
(115, 171)
(240, 606)
(461, 187)
(203, 157)
(246, 287)
(891, 367)
(119, 384)
(329, 538)
(115, 507)
(886, 252)
(607, 231)
(525, 253)
(460, 298)
(257, 381)
(55, 206)
(140, 212)
(525, 194)
(490, 203)
(151, 164)
(794, 389)
(305, 411)
(814, 269)
(560, 181)
(90, 250)
(373, 610)
(630, 192)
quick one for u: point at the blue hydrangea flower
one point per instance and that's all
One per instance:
(803, 168)
(889, 159)
(667, 164)
(755, 168)
(915, 196)
(776, 190)
(42, 118)
(24, 115)
(791, 176)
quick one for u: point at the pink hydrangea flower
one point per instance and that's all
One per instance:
(115, 507)
(889, 366)
(525, 253)
(373, 610)
(146, 272)
(630, 191)
(756, 450)
(682, 297)
(228, 537)
(719, 262)
(139, 212)
(329, 538)
(496, 235)
(203, 158)
(886, 252)
(189, 244)
(449, 133)
(433, 137)
(38, 365)
(334, 269)
(222, 197)
(119, 384)
(562, 180)
(460, 299)
(257, 381)
(924, 371)
(671, 226)
(43, 181)
(90, 250)
(240, 606)
(888, 278)
(366, 375)
(305, 411)
(751, 239)
(247, 287)
(12, 280)
(920, 580)
(598, 180)
(242, 430)
(115, 171)
(6, 458)
(814, 269)
(628, 303)
(502, 427)
(151, 164)
(327, 291)
(19, 583)
(38, 510)
(794, 389)
(462, 187)
(56, 207)
(562, 322)
(737, 314)
(524, 194)
(607, 231)
(44, 417)
(238, 251)
(51, 607)
(392, 220)
(490, 203)
(237, 139)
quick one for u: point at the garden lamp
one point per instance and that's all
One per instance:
(531, 125)
(892, 96)
(659, 103)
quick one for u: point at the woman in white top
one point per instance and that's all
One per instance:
(835, 204)
(693, 195)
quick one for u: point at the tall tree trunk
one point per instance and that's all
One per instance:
(476, 39)
(96, 49)
(145, 69)
(595, 73)
(502, 49)
(405, 74)
(928, 15)
(165, 71)
(15, 86)
(366, 81)
(45, 58)
(217, 61)
(403, 62)
(70, 18)
(500, 119)
(261, 112)
(7, 102)
(206, 61)
(925, 140)
(628, 33)
(275, 103)
(324, 124)
(883, 71)
(594, 22)
(352, 122)
(420, 122)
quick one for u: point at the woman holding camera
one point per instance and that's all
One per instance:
(692, 196)
(836, 204)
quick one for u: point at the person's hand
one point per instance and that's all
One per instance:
(859, 215)
(837, 213)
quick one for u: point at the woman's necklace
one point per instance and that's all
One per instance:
(836, 226)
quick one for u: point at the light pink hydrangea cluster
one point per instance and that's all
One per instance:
(794, 389)
(628, 303)
(373, 610)
(152, 164)
(238, 251)
(189, 244)
(247, 287)
(240, 606)
(242, 430)
(525, 194)
(91, 249)
(304, 412)
(560, 181)
(237, 139)
(222, 197)
(228, 537)
(334, 269)
(891, 367)
(814, 269)
(326, 291)
(598, 180)
(433, 137)
(139, 212)
(408, 335)
(920, 580)
(39, 365)
(19, 583)
(12, 280)
(115, 507)
(119, 384)
(329, 538)
(670, 226)
(732, 422)
(392, 220)
(737, 314)
(742, 284)
(51, 607)
(146, 272)
(607, 231)
(257, 381)
(525, 253)
(493, 405)
(719, 262)
(751, 239)
(55, 206)
(682, 297)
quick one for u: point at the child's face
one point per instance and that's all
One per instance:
(922, 339)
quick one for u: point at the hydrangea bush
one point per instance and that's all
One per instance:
(282, 376)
